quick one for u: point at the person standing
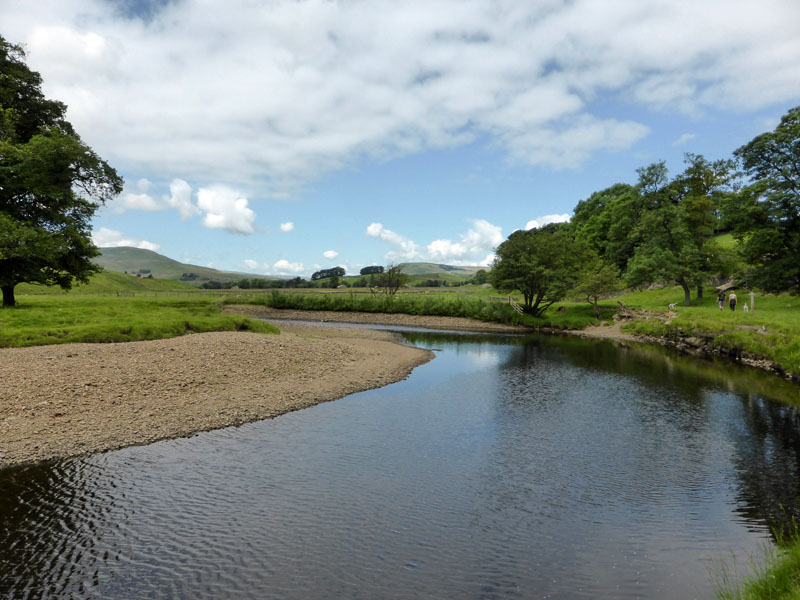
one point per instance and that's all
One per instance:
(721, 300)
(732, 300)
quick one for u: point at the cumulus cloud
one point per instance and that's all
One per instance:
(482, 236)
(313, 86)
(180, 197)
(471, 249)
(287, 227)
(109, 238)
(405, 248)
(546, 220)
(226, 209)
(330, 254)
(284, 267)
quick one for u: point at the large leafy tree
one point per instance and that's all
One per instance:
(768, 210)
(677, 223)
(51, 184)
(544, 264)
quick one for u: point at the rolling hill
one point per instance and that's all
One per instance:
(134, 261)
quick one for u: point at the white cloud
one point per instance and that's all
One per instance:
(251, 264)
(287, 227)
(131, 201)
(180, 197)
(685, 138)
(471, 249)
(226, 209)
(546, 220)
(109, 238)
(312, 86)
(482, 236)
(284, 267)
(406, 249)
(330, 254)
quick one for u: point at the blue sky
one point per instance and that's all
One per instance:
(282, 136)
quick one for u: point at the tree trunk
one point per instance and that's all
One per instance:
(8, 296)
(687, 293)
(596, 309)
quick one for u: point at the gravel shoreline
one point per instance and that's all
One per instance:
(77, 399)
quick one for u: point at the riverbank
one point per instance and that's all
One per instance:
(75, 399)
(374, 318)
(701, 345)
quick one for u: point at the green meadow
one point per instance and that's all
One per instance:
(66, 318)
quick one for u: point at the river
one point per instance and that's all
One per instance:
(508, 467)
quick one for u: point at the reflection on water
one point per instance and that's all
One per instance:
(508, 466)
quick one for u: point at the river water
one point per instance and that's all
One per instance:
(508, 467)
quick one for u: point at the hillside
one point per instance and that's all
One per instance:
(421, 268)
(109, 282)
(146, 262)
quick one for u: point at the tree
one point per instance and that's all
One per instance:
(600, 279)
(677, 223)
(544, 264)
(768, 210)
(371, 270)
(391, 280)
(480, 277)
(51, 184)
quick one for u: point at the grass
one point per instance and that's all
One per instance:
(777, 576)
(109, 282)
(49, 319)
(771, 331)
(436, 304)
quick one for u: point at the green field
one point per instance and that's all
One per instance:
(61, 319)
(110, 282)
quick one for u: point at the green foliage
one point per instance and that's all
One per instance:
(600, 279)
(771, 331)
(677, 224)
(51, 184)
(391, 280)
(543, 264)
(438, 304)
(767, 212)
(777, 575)
(62, 319)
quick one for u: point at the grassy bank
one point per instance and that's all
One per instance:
(62, 319)
(771, 331)
(777, 575)
(436, 304)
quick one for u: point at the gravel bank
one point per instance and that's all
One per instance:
(75, 399)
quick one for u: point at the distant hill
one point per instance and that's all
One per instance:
(110, 282)
(133, 261)
(137, 261)
(420, 268)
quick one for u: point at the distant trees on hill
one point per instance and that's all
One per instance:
(371, 270)
(325, 273)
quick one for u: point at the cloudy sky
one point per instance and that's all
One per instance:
(282, 136)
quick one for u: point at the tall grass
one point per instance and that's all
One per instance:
(451, 305)
(40, 320)
(777, 576)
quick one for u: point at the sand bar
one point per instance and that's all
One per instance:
(76, 399)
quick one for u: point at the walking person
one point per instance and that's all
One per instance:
(721, 300)
(732, 300)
